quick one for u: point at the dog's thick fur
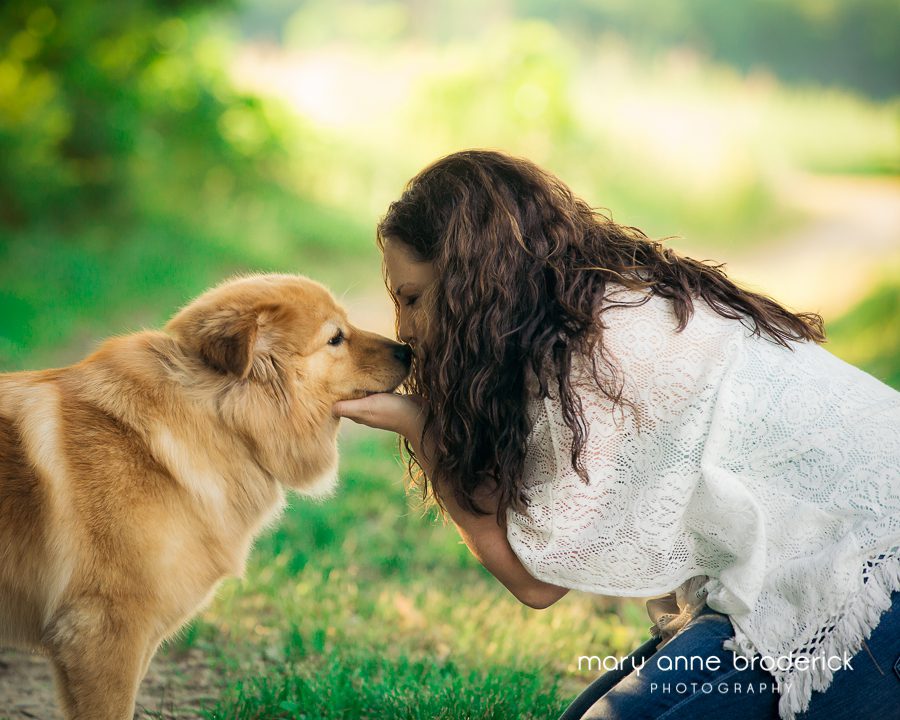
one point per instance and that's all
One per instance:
(133, 482)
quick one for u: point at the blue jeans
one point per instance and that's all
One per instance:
(661, 690)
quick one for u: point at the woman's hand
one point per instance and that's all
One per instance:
(387, 411)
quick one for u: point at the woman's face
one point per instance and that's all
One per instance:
(408, 279)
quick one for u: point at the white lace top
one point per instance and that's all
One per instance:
(773, 471)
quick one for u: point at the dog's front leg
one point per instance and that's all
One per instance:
(99, 657)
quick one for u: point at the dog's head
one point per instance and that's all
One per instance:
(263, 328)
(282, 352)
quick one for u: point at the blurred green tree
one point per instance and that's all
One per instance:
(102, 104)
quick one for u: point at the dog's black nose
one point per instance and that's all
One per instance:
(404, 354)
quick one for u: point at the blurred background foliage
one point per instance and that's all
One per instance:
(149, 149)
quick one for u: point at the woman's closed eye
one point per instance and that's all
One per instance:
(410, 301)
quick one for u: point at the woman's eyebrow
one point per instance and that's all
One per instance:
(402, 286)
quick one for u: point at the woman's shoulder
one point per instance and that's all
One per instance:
(638, 340)
(640, 330)
(622, 306)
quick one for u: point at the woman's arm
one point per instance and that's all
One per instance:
(485, 538)
(488, 543)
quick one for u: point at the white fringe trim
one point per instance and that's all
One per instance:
(860, 616)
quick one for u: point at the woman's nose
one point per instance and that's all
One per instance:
(405, 329)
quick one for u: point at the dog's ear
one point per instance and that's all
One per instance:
(231, 339)
(226, 341)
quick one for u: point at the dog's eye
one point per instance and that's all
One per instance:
(337, 339)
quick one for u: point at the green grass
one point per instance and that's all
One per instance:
(367, 685)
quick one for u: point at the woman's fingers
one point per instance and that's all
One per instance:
(356, 410)
(387, 411)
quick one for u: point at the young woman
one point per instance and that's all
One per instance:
(597, 413)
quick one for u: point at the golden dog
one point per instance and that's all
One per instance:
(133, 482)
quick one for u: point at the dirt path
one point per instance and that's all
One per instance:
(173, 688)
(851, 241)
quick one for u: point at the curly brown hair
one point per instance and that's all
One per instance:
(521, 263)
